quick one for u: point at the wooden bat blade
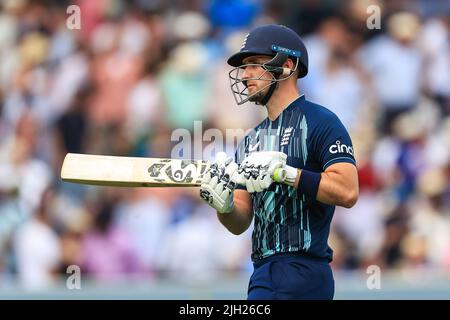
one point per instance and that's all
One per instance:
(132, 171)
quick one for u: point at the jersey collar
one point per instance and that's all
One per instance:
(294, 103)
(290, 106)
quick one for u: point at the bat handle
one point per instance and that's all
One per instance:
(279, 175)
(239, 179)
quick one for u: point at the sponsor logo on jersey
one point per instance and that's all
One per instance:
(339, 147)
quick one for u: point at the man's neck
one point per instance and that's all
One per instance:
(278, 103)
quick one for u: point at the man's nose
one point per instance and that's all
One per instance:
(245, 76)
(245, 73)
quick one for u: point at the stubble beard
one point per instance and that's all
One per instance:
(258, 97)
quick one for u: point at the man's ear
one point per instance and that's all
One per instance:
(289, 66)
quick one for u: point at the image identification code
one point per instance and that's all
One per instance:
(225, 310)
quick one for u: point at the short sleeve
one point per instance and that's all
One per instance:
(333, 143)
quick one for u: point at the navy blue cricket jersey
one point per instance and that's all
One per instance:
(313, 138)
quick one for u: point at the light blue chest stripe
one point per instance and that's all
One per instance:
(280, 124)
(304, 146)
(304, 127)
(273, 141)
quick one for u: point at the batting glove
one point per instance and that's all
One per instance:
(217, 186)
(260, 169)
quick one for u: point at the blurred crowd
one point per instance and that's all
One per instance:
(137, 70)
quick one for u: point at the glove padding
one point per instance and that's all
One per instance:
(218, 183)
(257, 170)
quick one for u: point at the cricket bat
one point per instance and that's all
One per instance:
(133, 171)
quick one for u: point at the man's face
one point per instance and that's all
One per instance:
(255, 71)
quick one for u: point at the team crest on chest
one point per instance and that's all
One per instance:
(286, 136)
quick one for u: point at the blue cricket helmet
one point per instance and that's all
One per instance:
(270, 40)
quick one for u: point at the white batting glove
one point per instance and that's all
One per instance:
(218, 183)
(257, 171)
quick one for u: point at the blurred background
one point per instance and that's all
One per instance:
(137, 70)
